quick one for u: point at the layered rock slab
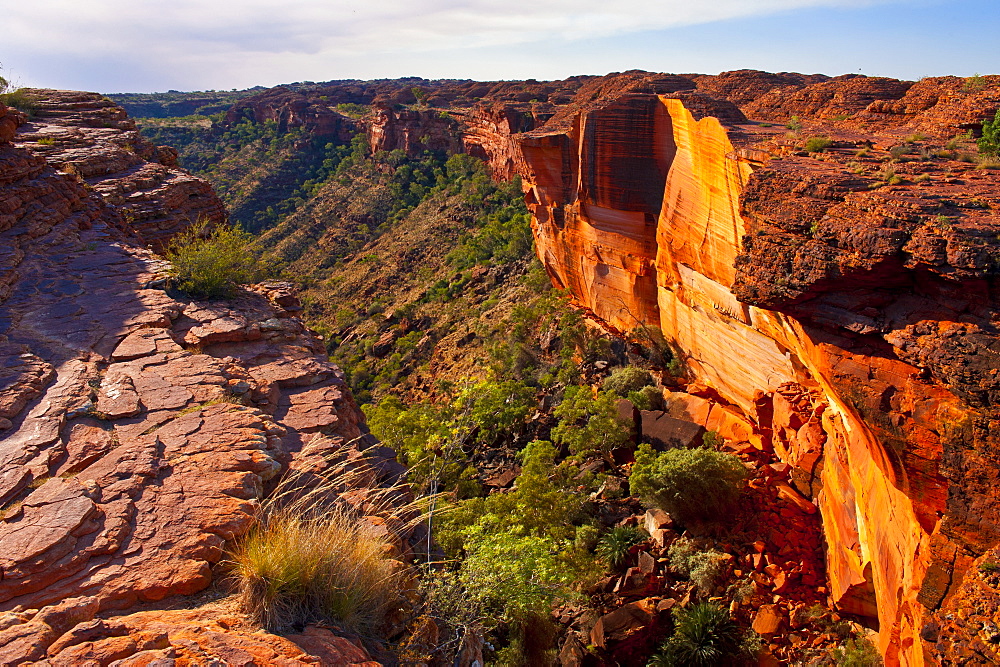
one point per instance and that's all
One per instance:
(139, 428)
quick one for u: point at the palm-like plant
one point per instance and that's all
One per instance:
(614, 546)
(704, 636)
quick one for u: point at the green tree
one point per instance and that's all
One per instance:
(692, 484)
(989, 143)
(589, 424)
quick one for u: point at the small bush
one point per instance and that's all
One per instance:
(704, 636)
(614, 546)
(212, 264)
(692, 484)
(817, 144)
(627, 379)
(704, 568)
(647, 398)
(857, 652)
(989, 142)
(794, 124)
(307, 560)
(589, 425)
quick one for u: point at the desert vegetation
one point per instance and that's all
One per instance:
(212, 263)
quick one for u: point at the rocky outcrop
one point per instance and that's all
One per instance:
(90, 138)
(851, 318)
(139, 429)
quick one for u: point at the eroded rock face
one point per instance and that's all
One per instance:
(853, 324)
(90, 138)
(138, 430)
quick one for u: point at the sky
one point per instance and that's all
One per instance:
(113, 46)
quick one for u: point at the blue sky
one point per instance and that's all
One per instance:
(148, 45)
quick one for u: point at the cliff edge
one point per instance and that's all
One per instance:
(138, 428)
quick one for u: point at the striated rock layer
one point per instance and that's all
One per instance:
(852, 320)
(138, 430)
(89, 137)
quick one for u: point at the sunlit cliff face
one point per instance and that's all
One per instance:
(637, 212)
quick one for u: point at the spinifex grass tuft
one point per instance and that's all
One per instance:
(312, 557)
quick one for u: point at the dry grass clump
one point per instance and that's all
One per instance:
(311, 557)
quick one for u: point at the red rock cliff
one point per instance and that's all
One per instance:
(853, 320)
(138, 430)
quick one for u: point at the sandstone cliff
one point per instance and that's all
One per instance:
(852, 318)
(89, 137)
(138, 429)
(841, 305)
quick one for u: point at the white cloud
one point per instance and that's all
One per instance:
(236, 38)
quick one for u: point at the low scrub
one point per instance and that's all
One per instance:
(307, 559)
(818, 144)
(703, 568)
(704, 636)
(692, 484)
(613, 548)
(626, 380)
(213, 263)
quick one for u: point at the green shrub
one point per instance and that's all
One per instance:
(989, 143)
(704, 568)
(627, 379)
(213, 263)
(647, 398)
(692, 484)
(614, 546)
(794, 124)
(817, 144)
(704, 636)
(589, 425)
(857, 652)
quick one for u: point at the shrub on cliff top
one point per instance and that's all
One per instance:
(989, 143)
(692, 484)
(213, 263)
(817, 144)
(307, 559)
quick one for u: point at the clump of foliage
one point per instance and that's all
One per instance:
(989, 567)
(626, 380)
(989, 143)
(817, 144)
(704, 636)
(212, 263)
(518, 549)
(692, 484)
(12, 96)
(613, 547)
(588, 424)
(432, 439)
(703, 568)
(305, 559)
(647, 398)
(857, 652)
(794, 124)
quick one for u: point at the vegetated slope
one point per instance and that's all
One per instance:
(738, 242)
(175, 103)
(412, 265)
(260, 171)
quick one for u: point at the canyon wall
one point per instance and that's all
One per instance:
(852, 322)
